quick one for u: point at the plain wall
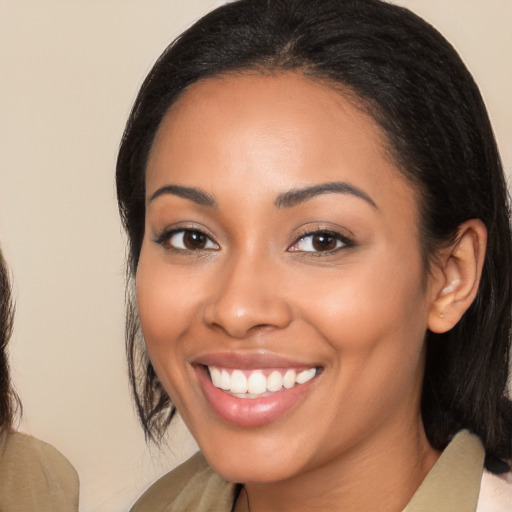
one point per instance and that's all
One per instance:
(69, 74)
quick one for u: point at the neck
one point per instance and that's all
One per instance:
(381, 474)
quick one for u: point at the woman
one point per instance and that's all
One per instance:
(320, 247)
(34, 476)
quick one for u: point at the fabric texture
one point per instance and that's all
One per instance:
(452, 485)
(495, 493)
(454, 481)
(35, 477)
(193, 486)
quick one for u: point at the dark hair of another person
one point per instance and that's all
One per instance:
(402, 72)
(8, 400)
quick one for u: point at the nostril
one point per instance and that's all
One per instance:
(239, 311)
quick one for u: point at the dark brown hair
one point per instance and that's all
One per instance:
(9, 402)
(414, 84)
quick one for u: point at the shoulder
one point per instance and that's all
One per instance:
(495, 493)
(34, 474)
(193, 486)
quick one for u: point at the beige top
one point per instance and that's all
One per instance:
(35, 477)
(453, 484)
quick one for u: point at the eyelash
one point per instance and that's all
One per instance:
(341, 241)
(164, 239)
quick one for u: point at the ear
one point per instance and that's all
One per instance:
(457, 278)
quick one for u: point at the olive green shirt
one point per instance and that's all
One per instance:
(452, 485)
(35, 477)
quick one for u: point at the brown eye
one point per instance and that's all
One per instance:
(194, 240)
(324, 242)
(189, 240)
(320, 242)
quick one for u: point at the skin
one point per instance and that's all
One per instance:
(359, 311)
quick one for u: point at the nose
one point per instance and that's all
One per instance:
(247, 298)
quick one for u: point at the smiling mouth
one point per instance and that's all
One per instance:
(253, 384)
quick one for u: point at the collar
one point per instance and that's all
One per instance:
(453, 483)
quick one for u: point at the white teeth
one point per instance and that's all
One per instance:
(274, 381)
(256, 384)
(238, 382)
(289, 379)
(225, 381)
(306, 375)
(216, 377)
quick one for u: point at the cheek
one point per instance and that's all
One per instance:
(374, 316)
(168, 296)
(368, 296)
(374, 323)
(164, 305)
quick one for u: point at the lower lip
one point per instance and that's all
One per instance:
(250, 412)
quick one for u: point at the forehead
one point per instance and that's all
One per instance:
(278, 130)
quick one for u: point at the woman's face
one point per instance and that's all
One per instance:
(281, 253)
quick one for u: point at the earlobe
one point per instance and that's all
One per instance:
(460, 271)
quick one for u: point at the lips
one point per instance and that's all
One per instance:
(253, 391)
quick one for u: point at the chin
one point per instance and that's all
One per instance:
(251, 472)
(252, 464)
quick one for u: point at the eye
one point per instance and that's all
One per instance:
(320, 241)
(187, 240)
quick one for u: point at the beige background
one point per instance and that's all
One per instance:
(69, 73)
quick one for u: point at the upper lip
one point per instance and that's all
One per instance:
(250, 360)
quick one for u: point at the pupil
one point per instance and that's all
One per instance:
(194, 240)
(324, 242)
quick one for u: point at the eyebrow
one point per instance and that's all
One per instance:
(285, 200)
(300, 195)
(193, 194)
